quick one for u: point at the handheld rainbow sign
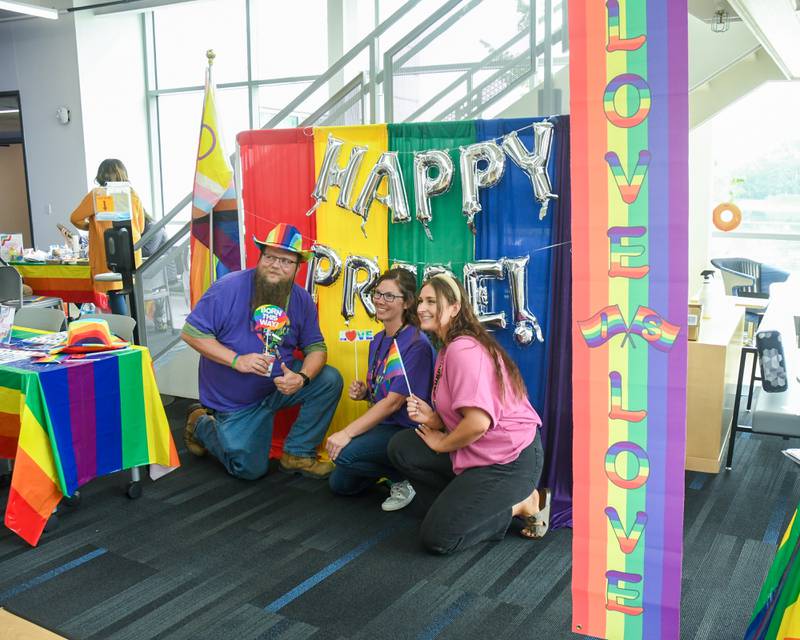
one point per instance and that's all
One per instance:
(629, 142)
(270, 320)
(355, 336)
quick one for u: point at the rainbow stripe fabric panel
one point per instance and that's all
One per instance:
(777, 610)
(70, 282)
(79, 420)
(629, 109)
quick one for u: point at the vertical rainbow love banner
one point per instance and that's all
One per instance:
(629, 109)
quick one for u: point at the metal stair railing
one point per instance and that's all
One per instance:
(511, 69)
(491, 60)
(493, 88)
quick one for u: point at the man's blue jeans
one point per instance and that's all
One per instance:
(241, 440)
(364, 460)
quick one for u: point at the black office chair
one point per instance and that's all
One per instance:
(11, 292)
(743, 276)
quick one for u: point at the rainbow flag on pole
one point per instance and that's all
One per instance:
(214, 211)
(76, 421)
(777, 611)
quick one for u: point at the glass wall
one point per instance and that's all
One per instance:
(449, 61)
(258, 70)
(756, 153)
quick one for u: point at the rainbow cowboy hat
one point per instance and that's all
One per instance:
(287, 237)
(89, 336)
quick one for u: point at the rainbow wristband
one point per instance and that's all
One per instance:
(233, 362)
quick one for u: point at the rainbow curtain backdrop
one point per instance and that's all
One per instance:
(279, 170)
(629, 109)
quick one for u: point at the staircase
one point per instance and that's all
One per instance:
(394, 86)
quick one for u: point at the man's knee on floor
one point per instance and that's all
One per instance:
(248, 470)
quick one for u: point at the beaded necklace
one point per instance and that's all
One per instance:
(437, 376)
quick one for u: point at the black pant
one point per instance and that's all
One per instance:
(468, 508)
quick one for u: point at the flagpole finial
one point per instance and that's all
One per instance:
(210, 55)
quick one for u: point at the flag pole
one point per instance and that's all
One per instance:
(210, 55)
(402, 366)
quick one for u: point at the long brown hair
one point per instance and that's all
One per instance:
(465, 323)
(407, 284)
(111, 170)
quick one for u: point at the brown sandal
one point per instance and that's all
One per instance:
(537, 524)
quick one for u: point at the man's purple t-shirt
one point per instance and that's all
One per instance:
(417, 354)
(224, 313)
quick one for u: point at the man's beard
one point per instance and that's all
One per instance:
(265, 292)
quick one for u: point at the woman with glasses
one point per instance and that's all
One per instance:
(359, 450)
(476, 457)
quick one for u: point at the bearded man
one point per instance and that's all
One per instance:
(241, 386)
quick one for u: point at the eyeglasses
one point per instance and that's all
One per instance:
(285, 263)
(389, 297)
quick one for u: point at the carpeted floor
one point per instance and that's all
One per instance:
(202, 555)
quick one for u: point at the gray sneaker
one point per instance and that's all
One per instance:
(401, 494)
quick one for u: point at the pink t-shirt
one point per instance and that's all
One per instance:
(468, 380)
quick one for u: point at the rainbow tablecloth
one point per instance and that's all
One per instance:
(70, 282)
(68, 422)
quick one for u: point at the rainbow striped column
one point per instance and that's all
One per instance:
(629, 109)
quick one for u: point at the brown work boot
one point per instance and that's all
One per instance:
(194, 446)
(309, 467)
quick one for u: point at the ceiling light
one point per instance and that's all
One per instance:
(2, 111)
(29, 9)
(721, 21)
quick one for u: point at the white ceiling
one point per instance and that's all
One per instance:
(775, 25)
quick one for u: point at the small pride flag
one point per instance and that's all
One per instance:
(393, 365)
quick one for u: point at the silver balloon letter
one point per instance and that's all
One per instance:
(399, 264)
(534, 164)
(474, 178)
(475, 274)
(425, 187)
(332, 175)
(387, 167)
(526, 325)
(323, 276)
(353, 287)
(435, 269)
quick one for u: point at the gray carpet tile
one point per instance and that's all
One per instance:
(204, 556)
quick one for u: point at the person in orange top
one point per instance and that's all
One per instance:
(110, 170)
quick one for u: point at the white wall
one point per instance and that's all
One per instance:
(701, 167)
(8, 61)
(14, 200)
(112, 87)
(39, 58)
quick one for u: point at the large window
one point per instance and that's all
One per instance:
(757, 166)
(288, 49)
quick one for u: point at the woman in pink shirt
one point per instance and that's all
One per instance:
(475, 457)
